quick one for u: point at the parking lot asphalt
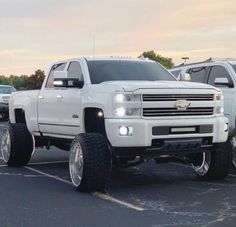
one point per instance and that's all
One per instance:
(41, 194)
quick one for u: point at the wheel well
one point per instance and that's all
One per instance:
(94, 120)
(20, 116)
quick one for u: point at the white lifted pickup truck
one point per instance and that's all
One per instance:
(116, 112)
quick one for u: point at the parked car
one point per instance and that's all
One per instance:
(220, 73)
(5, 92)
(113, 112)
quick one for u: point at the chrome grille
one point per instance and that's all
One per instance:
(164, 112)
(175, 97)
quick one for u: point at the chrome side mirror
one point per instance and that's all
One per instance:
(223, 81)
(185, 77)
(68, 83)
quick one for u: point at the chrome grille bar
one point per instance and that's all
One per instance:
(175, 97)
(164, 112)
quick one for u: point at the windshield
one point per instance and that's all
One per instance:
(101, 71)
(6, 90)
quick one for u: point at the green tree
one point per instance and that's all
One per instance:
(35, 81)
(19, 82)
(165, 61)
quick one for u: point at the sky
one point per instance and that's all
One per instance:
(35, 33)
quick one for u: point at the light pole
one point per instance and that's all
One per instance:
(185, 59)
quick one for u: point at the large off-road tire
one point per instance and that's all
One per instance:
(90, 162)
(213, 165)
(17, 144)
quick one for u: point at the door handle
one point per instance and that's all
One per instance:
(59, 96)
(40, 97)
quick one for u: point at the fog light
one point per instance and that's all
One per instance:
(100, 114)
(125, 131)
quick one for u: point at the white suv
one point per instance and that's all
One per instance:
(220, 73)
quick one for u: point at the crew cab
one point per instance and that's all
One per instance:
(117, 112)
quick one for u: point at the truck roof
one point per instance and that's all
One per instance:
(110, 58)
(210, 60)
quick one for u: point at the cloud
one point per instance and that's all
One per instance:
(35, 33)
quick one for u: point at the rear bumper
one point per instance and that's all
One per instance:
(142, 135)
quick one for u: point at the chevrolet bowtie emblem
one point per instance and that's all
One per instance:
(182, 104)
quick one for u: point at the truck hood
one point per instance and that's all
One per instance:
(131, 86)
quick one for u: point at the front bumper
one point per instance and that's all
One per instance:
(143, 130)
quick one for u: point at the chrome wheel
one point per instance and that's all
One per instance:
(202, 164)
(76, 163)
(6, 145)
(233, 144)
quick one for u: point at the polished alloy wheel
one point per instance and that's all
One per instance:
(202, 165)
(233, 144)
(6, 145)
(76, 163)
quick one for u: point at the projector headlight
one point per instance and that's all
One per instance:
(121, 98)
(218, 96)
(127, 105)
(122, 112)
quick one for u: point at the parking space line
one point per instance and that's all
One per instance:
(45, 163)
(109, 198)
(97, 194)
(48, 175)
(3, 165)
(232, 175)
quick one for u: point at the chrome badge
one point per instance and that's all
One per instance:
(182, 104)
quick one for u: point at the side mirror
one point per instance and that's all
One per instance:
(68, 83)
(185, 77)
(60, 79)
(223, 81)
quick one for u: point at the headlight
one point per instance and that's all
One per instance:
(120, 98)
(218, 96)
(127, 105)
(122, 111)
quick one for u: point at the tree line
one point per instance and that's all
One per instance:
(24, 82)
(35, 80)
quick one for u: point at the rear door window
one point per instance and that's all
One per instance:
(75, 71)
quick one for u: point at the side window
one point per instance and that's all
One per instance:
(198, 74)
(221, 75)
(75, 71)
(176, 72)
(58, 67)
